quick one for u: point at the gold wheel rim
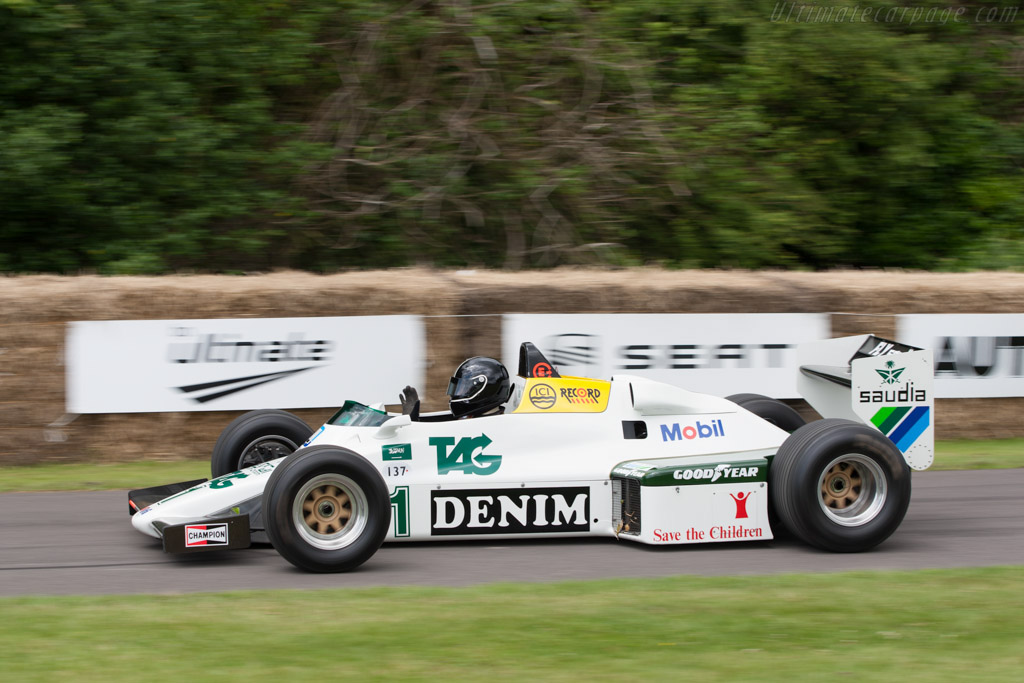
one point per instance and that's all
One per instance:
(852, 490)
(841, 486)
(330, 511)
(327, 509)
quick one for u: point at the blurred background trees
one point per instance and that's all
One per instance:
(145, 137)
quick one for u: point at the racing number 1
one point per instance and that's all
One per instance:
(400, 511)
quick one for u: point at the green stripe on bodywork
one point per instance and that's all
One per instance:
(880, 416)
(736, 472)
(894, 419)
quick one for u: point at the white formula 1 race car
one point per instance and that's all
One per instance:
(567, 456)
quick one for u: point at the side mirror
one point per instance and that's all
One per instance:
(391, 427)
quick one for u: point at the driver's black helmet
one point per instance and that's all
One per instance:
(479, 385)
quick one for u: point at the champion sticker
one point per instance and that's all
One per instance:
(205, 534)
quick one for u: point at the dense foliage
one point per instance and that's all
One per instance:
(145, 136)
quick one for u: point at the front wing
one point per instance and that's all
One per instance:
(223, 533)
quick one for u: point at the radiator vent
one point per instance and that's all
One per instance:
(626, 505)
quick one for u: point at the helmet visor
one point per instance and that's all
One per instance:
(466, 388)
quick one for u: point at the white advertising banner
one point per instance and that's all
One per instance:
(140, 366)
(977, 355)
(719, 354)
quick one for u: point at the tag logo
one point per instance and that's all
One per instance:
(467, 456)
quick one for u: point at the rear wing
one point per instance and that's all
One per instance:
(881, 383)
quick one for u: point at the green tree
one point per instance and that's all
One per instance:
(138, 136)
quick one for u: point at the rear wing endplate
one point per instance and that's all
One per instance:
(879, 382)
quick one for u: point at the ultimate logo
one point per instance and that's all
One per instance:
(890, 375)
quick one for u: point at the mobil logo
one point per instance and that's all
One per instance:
(699, 430)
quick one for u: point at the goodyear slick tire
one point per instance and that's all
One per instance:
(770, 409)
(819, 464)
(255, 437)
(310, 489)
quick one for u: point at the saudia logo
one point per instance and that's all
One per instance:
(889, 375)
(467, 456)
(675, 432)
(892, 375)
(908, 394)
(510, 511)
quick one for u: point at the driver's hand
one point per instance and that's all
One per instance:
(410, 401)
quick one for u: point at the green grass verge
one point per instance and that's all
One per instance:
(922, 626)
(979, 455)
(951, 455)
(100, 476)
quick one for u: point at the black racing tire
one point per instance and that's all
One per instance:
(840, 485)
(326, 509)
(785, 418)
(771, 410)
(255, 437)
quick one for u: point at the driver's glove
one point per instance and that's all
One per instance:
(410, 403)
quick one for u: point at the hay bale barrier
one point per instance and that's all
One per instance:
(462, 314)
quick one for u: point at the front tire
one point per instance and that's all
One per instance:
(326, 509)
(255, 437)
(840, 485)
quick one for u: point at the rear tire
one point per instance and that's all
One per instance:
(771, 410)
(840, 485)
(785, 418)
(326, 509)
(255, 437)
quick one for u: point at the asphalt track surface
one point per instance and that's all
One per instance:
(82, 543)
